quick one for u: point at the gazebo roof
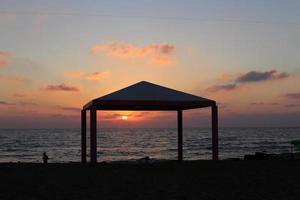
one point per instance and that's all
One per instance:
(148, 96)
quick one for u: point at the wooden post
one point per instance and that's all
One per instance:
(179, 122)
(93, 137)
(83, 136)
(215, 140)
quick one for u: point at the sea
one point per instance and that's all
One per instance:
(63, 145)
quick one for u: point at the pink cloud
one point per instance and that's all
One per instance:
(155, 53)
(7, 17)
(4, 59)
(19, 95)
(95, 76)
(3, 53)
(15, 79)
(61, 87)
(3, 63)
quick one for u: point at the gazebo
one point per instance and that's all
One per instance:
(145, 96)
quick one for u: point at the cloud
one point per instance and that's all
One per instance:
(257, 103)
(293, 105)
(255, 76)
(155, 53)
(15, 79)
(292, 95)
(3, 103)
(226, 87)
(7, 17)
(111, 116)
(4, 58)
(19, 95)
(248, 77)
(61, 87)
(95, 76)
(3, 53)
(20, 103)
(274, 104)
(73, 109)
(262, 103)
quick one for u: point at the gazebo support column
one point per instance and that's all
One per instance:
(179, 129)
(93, 137)
(215, 151)
(83, 136)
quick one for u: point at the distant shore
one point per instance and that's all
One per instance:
(252, 179)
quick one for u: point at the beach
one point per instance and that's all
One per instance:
(228, 179)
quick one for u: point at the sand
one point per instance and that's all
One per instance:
(263, 179)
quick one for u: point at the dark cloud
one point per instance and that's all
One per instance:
(255, 76)
(293, 105)
(61, 87)
(292, 95)
(248, 77)
(274, 104)
(111, 116)
(257, 103)
(3, 103)
(262, 103)
(226, 87)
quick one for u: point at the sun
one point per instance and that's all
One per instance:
(124, 117)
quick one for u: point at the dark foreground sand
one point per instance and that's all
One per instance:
(266, 179)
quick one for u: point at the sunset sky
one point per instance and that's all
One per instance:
(55, 56)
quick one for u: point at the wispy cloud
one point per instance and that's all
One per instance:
(155, 53)
(61, 87)
(226, 87)
(94, 76)
(256, 76)
(19, 95)
(97, 75)
(73, 109)
(292, 95)
(15, 79)
(20, 103)
(263, 103)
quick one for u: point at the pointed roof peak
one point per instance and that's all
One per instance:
(145, 91)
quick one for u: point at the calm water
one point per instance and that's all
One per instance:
(63, 145)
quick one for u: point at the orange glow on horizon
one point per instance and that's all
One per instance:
(124, 117)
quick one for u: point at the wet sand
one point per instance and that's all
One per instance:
(263, 179)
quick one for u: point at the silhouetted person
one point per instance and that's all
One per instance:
(45, 158)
